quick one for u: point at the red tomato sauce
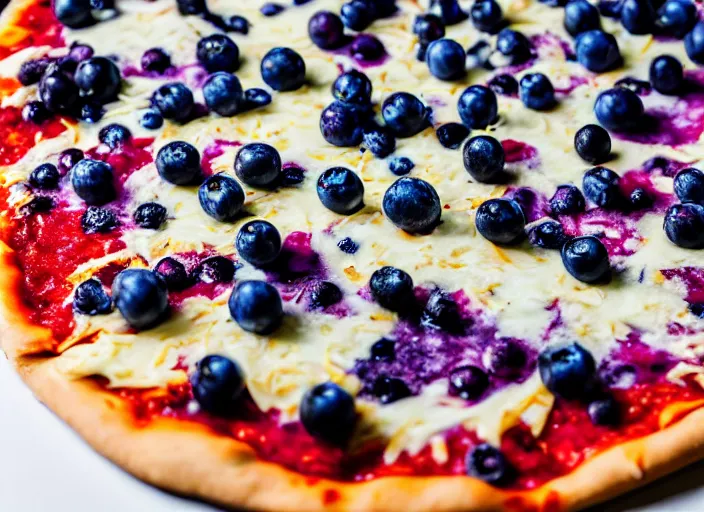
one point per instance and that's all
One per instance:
(19, 136)
(35, 25)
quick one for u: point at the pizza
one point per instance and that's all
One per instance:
(364, 255)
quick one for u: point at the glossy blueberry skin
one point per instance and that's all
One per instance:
(694, 43)
(150, 215)
(605, 412)
(92, 180)
(601, 187)
(383, 350)
(619, 110)
(340, 190)
(328, 413)
(501, 221)
(353, 87)
(449, 11)
(390, 389)
(392, 288)
(638, 16)
(283, 69)
(90, 298)
(341, 124)
(484, 158)
(191, 7)
(174, 100)
(640, 199)
(179, 163)
(380, 141)
(141, 296)
(223, 94)
(98, 220)
(567, 371)
(441, 312)
(592, 143)
(57, 91)
(73, 13)
(486, 15)
(586, 259)
(504, 358)
(221, 197)
(324, 294)
(270, 9)
(446, 59)
(217, 384)
(45, 177)
(688, 185)
(536, 92)
(99, 78)
(684, 225)
(31, 71)
(218, 52)
(358, 14)
(91, 111)
(238, 24)
(666, 74)
(490, 465)
(151, 120)
(326, 30)
(452, 135)
(401, 166)
(114, 135)
(428, 28)
(215, 269)
(548, 235)
(468, 382)
(640, 87)
(256, 307)
(35, 112)
(404, 114)
(504, 84)
(258, 165)
(155, 59)
(68, 158)
(477, 107)
(80, 52)
(515, 45)
(412, 205)
(173, 272)
(348, 246)
(255, 98)
(610, 8)
(581, 16)
(597, 51)
(367, 48)
(567, 200)
(258, 242)
(677, 17)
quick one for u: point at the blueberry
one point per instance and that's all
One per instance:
(190, 7)
(684, 225)
(141, 296)
(567, 370)
(98, 220)
(217, 384)
(585, 257)
(31, 71)
(390, 389)
(255, 98)
(486, 15)
(358, 14)
(597, 51)
(401, 165)
(151, 120)
(174, 100)
(353, 87)
(328, 413)
(150, 215)
(68, 158)
(640, 87)
(619, 110)
(99, 77)
(179, 163)
(567, 200)
(392, 288)
(677, 17)
(605, 412)
(258, 165)
(610, 8)
(35, 112)
(218, 52)
(221, 197)
(258, 242)
(601, 186)
(341, 191)
(238, 24)
(548, 235)
(215, 269)
(341, 124)
(223, 94)
(270, 9)
(292, 176)
(326, 30)
(666, 74)
(593, 144)
(514, 45)
(451, 135)
(478, 56)
(537, 92)
(504, 84)
(412, 205)
(57, 91)
(383, 350)
(501, 221)
(73, 13)
(45, 177)
(38, 204)
(484, 158)
(477, 107)
(449, 11)
(114, 135)
(173, 272)
(581, 16)
(155, 59)
(380, 141)
(256, 307)
(428, 28)
(91, 111)
(694, 43)
(490, 465)
(640, 199)
(283, 69)
(446, 58)
(504, 358)
(442, 312)
(638, 16)
(688, 185)
(324, 294)
(404, 114)
(90, 298)
(348, 246)
(92, 180)
(468, 382)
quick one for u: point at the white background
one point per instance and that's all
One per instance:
(44, 466)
